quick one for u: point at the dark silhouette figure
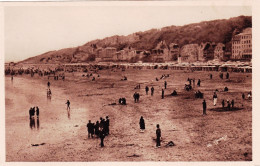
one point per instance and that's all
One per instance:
(228, 105)
(243, 96)
(107, 123)
(102, 136)
(68, 111)
(158, 136)
(38, 123)
(227, 76)
(37, 111)
(152, 90)
(32, 123)
(232, 103)
(97, 128)
(90, 129)
(162, 93)
(165, 84)
(210, 76)
(146, 90)
(223, 103)
(48, 84)
(198, 82)
(204, 104)
(137, 97)
(221, 75)
(142, 123)
(68, 104)
(174, 93)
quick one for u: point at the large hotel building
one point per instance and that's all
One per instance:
(242, 45)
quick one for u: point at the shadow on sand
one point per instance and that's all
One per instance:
(220, 109)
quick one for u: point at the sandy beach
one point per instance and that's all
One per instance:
(218, 136)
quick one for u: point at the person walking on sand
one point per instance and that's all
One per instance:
(48, 84)
(162, 93)
(204, 104)
(68, 104)
(165, 84)
(215, 98)
(146, 90)
(152, 90)
(158, 136)
(142, 124)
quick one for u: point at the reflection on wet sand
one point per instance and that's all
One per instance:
(38, 123)
(68, 111)
(32, 122)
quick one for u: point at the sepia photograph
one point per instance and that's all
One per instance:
(128, 82)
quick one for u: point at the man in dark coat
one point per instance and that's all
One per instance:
(204, 107)
(137, 97)
(165, 84)
(107, 125)
(158, 136)
(152, 90)
(198, 82)
(90, 126)
(227, 76)
(146, 90)
(232, 103)
(37, 111)
(33, 111)
(30, 112)
(97, 128)
(102, 136)
(162, 93)
(243, 96)
(142, 124)
(223, 103)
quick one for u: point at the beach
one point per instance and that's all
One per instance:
(62, 136)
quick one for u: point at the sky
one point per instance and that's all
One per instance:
(32, 30)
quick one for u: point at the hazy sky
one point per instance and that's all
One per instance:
(30, 31)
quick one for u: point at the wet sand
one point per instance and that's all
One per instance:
(219, 136)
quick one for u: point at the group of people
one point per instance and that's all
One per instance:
(147, 90)
(198, 94)
(221, 75)
(48, 92)
(33, 111)
(122, 101)
(100, 129)
(229, 104)
(136, 97)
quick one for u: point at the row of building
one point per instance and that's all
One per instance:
(241, 49)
